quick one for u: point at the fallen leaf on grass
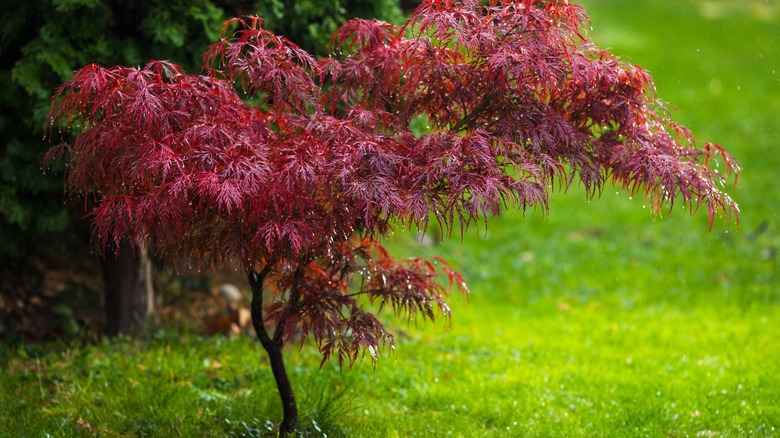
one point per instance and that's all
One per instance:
(83, 426)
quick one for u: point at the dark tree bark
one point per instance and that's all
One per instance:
(410, 5)
(129, 289)
(274, 349)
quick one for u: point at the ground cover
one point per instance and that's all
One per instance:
(593, 321)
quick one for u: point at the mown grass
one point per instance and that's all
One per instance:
(594, 321)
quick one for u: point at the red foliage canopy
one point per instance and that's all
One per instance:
(302, 176)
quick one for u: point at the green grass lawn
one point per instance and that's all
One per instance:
(598, 320)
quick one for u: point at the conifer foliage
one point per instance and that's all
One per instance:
(298, 167)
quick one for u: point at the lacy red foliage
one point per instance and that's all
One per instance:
(303, 175)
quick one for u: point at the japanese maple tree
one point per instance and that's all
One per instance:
(298, 168)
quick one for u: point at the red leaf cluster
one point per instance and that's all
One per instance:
(302, 177)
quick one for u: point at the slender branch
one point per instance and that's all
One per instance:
(471, 117)
(365, 292)
(279, 334)
(295, 300)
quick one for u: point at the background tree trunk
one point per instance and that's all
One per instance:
(129, 289)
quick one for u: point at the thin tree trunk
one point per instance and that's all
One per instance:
(129, 289)
(274, 349)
